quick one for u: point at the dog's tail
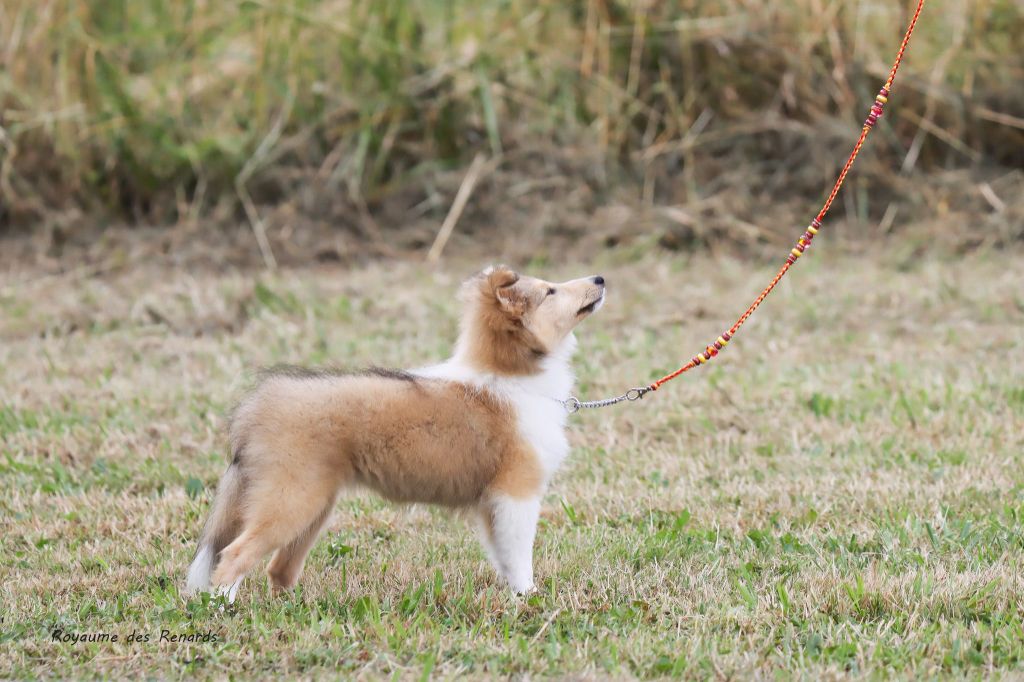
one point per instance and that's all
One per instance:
(223, 526)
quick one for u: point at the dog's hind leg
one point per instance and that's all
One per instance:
(281, 508)
(286, 566)
(239, 557)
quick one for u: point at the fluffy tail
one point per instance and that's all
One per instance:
(221, 528)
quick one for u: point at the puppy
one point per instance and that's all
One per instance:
(483, 431)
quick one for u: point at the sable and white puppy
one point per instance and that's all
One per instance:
(482, 431)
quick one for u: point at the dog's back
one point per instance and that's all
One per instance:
(410, 438)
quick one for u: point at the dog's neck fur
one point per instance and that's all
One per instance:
(551, 378)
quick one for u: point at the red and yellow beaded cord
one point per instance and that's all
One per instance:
(803, 243)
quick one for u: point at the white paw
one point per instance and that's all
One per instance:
(523, 587)
(229, 591)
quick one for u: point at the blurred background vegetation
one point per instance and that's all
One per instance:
(603, 120)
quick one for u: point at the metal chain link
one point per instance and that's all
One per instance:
(573, 404)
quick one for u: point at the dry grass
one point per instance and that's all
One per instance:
(175, 110)
(842, 493)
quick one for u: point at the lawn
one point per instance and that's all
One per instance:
(841, 492)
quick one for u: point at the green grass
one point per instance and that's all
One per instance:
(841, 493)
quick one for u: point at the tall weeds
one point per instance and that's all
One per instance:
(146, 106)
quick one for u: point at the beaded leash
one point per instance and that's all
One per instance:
(574, 404)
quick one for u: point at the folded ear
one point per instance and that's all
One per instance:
(500, 276)
(501, 280)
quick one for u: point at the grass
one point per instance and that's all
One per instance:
(842, 493)
(167, 110)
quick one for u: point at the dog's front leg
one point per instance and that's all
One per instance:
(513, 529)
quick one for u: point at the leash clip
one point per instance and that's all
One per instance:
(572, 404)
(637, 393)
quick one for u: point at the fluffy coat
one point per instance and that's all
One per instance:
(482, 431)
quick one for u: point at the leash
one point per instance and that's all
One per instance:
(573, 404)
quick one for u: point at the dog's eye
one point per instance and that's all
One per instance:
(551, 292)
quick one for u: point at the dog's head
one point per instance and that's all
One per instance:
(512, 321)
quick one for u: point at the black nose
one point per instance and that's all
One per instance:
(599, 280)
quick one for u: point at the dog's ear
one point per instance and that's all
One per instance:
(501, 281)
(500, 277)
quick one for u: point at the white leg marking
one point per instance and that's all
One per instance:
(230, 591)
(514, 525)
(234, 589)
